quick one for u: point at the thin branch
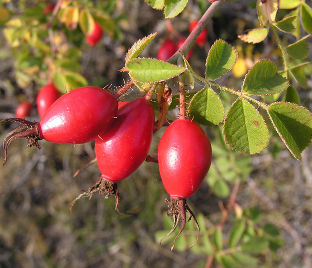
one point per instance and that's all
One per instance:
(225, 213)
(190, 40)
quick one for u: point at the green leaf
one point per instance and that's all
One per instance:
(293, 123)
(152, 70)
(245, 129)
(298, 50)
(221, 188)
(289, 4)
(263, 79)
(306, 17)
(255, 35)
(236, 233)
(139, 46)
(271, 229)
(74, 80)
(292, 95)
(174, 7)
(288, 24)
(156, 4)
(217, 238)
(228, 261)
(105, 21)
(275, 243)
(220, 60)
(297, 31)
(59, 81)
(188, 73)
(206, 107)
(86, 22)
(244, 259)
(255, 245)
(299, 75)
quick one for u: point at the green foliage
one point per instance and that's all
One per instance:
(289, 4)
(245, 129)
(152, 70)
(263, 79)
(220, 60)
(171, 8)
(206, 107)
(288, 25)
(138, 47)
(174, 7)
(86, 22)
(293, 123)
(306, 16)
(298, 50)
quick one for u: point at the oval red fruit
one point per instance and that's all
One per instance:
(46, 96)
(180, 43)
(23, 110)
(166, 50)
(78, 116)
(201, 39)
(96, 35)
(184, 156)
(121, 150)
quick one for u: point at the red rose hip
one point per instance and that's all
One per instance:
(166, 50)
(122, 149)
(46, 97)
(184, 155)
(23, 110)
(76, 117)
(96, 35)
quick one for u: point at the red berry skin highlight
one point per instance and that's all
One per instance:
(78, 116)
(23, 110)
(184, 156)
(201, 39)
(46, 97)
(121, 150)
(167, 49)
(94, 37)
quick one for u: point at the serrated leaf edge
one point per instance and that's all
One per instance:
(233, 48)
(287, 18)
(132, 78)
(279, 134)
(246, 75)
(225, 139)
(242, 35)
(188, 109)
(149, 37)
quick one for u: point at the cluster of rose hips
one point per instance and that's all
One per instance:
(123, 133)
(169, 47)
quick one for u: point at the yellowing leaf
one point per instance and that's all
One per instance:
(71, 17)
(255, 36)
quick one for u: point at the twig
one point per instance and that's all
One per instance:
(182, 99)
(124, 89)
(190, 40)
(225, 213)
(54, 12)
